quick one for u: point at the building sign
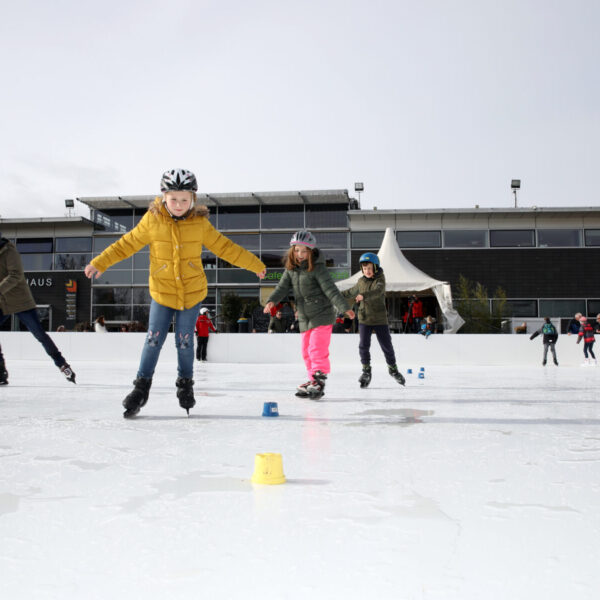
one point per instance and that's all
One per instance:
(274, 275)
(71, 302)
(35, 282)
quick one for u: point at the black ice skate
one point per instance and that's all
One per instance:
(185, 393)
(137, 397)
(3, 374)
(301, 390)
(68, 372)
(316, 388)
(365, 377)
(393, 370)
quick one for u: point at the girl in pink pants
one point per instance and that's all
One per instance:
(317, 302)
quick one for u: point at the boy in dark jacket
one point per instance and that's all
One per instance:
(550, 336)
(369, 294)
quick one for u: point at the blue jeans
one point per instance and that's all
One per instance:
(158, 327)
(30, 319)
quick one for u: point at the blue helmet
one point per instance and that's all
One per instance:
(369, 257)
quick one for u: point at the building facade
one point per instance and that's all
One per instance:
(542, 258)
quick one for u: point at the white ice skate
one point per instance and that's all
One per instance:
(586, 363)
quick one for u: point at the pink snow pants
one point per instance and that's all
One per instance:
(315, 349)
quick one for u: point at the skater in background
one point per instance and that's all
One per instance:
(550, 338)
(203, 325)
(317, 302)
(176, 230)
(276, 324)
(586, 333)
(16, 298)
(413, 315)
(369, 294)
(100, 325)
(427, 327)
(597, 324)
(573, 327)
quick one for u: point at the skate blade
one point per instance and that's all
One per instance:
(130, 413)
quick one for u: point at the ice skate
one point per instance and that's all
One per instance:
(137, 397)
(3, 374)
(301, 390)
(556, 362)
(393, 371)
(586, 362)
(316, 388)
(365, 377)
(68, 372)
(185, 393)
(544, 363)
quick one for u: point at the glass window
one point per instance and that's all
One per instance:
(331, 239)
(141, 314)
(122, 218)
(465, 238)
(524, 238)
(103, 242)
(593, 308)
(236, 276)
(276, 241)
(272, 259)
(34, 245)
(243, 292)
(592, 237)
(73, 244)
(239, 217)
(37, 262)
(116, 277)
(209, 260)
(71, 262)
(282, 217)
(519, 308)
(141, 260)
(561, 308)
(419, 239)
(111, 295)
(548, 238)
(127, 263)
(326, 216)
(114, 312)
(336, 258)
(211, 276)
(250, 241)
(367, 239)
(140, 276)
(141, 295)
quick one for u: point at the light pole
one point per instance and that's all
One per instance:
(515, 185)
(359, 187)
(70, 205)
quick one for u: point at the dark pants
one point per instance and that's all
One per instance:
(383, 337)
(587, 347)
(201, 349)
(30, 319)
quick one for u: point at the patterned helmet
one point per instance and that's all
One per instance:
(369, 257)
(303, 238)
(178, 180)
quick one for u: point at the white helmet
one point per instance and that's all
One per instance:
(203, 311)
(303, 238)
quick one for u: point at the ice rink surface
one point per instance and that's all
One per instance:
(478, 483)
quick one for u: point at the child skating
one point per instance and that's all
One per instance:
(317, 302)
(586, 333)
(369, 294)
(550, 337)
(176, 230)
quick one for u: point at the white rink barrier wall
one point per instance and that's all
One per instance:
(412, 350)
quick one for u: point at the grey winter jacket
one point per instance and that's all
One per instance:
(15, 295)
(371, 310)
(317, 298)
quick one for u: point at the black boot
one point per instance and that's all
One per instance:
(68, 372)
(393, 370)
(3, 373)
(365, 377)
(316, 388)
(185, 393)
(137, 397)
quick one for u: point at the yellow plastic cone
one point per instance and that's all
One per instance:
(268, 468)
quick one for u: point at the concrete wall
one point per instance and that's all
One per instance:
(411, 350)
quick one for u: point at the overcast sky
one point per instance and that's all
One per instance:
(430, 104)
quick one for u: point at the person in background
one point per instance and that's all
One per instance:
(60, 328)
(16, 298)
(100, 325)
(573, 327)
(276, 324)
(522, 328)
(586, 333)
(597, 325)
(203, 325)
(176, 229)
(550, 337)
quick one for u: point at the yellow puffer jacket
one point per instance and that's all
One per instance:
(177, 278)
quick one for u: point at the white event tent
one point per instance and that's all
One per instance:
(402, 276)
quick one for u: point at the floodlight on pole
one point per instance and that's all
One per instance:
(70, 205)
(515, 184)
(359, 187)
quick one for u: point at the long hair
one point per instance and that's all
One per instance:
(289, 259)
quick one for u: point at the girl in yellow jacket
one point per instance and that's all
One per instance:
(176, 229)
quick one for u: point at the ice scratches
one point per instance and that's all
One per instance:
(508, 506)
(90, 466)
(416, 506)
(9, 503)
(408, 416)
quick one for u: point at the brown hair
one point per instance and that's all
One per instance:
(289, 259)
